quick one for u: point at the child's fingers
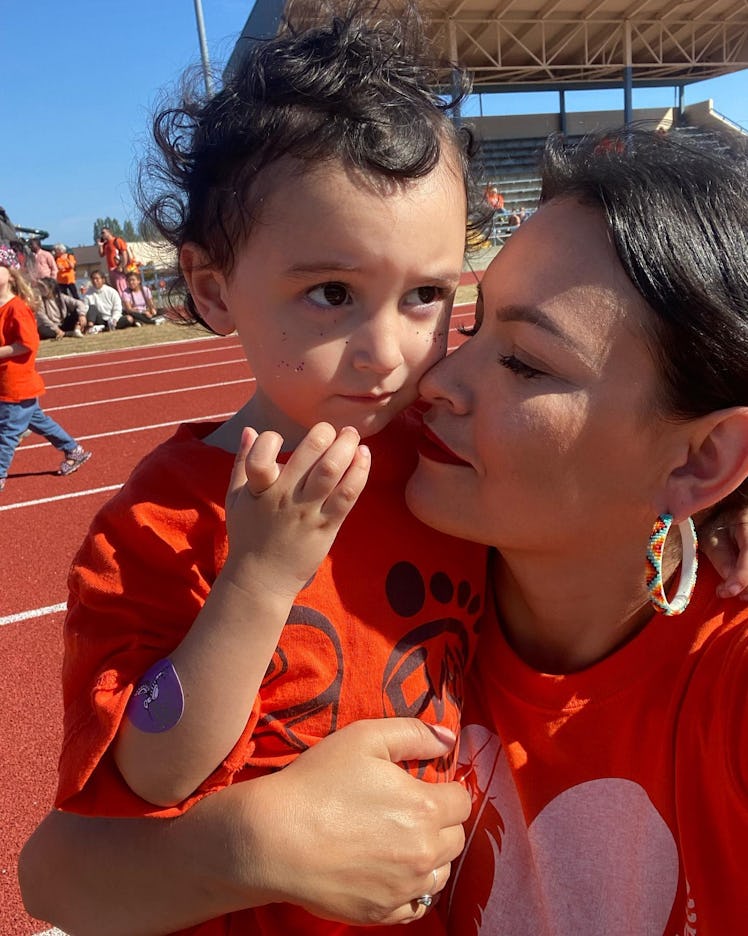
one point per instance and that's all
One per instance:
(331, 465)
(345, 494)
(260, 463)
(238, 472)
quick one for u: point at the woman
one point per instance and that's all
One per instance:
(66, 264)
(606, 388)
(137, 302)
(59, 314)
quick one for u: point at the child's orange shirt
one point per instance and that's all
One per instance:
(386, 627)
(19, 378)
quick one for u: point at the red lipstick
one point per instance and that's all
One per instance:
(432, 447)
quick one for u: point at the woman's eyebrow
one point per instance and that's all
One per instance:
(536, 316)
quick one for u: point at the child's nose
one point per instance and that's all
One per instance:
(378, 344)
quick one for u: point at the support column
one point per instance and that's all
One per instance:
(452, 35)
(562, 111)
(628, 74)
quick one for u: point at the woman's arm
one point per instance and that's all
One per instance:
(343, 832)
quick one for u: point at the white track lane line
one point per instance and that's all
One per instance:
(211, 417)
(145, 396)
(146, 348)
(60, 497)
(30, 615)
(80, 361)
(151, 373)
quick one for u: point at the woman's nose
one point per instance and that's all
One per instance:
(445, 382)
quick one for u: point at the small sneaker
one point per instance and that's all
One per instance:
(73, 460)
(138, 324)
(76, 333)
(96, 329)
(159, 320)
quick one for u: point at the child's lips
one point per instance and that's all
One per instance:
(432, 447)
(369, 399)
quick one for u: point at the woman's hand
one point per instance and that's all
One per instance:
(725, 543)
(344, 831)
(359, 837)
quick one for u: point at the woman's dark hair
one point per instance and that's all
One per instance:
(676, 207)
(361, 86)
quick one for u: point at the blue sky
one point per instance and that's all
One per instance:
(82, 77)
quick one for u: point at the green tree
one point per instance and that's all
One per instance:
(112, 223)
(128, 231)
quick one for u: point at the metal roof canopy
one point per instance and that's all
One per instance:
(526, 45)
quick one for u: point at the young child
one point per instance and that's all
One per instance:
(21, 384)
(323, 209)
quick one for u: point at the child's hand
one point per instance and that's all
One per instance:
(725, 543)
(282, 519)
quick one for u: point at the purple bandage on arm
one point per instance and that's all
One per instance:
(157, 702)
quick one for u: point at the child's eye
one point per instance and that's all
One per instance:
(424, 295)
(330, 294)
(518, 367)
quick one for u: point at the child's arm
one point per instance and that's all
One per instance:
(13, 350)
(281, 522)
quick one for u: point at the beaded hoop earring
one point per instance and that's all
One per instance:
(687, 581)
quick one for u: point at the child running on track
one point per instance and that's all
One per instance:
(323, 210)
(21, 384)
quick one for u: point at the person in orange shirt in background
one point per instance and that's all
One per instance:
(21, 384)
(66, 264)
(118, 258)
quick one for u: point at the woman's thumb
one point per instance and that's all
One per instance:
(409, 739)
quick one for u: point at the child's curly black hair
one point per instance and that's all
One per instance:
(360, 85)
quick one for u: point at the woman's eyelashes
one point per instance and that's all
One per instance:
(471, 330)
(513, 363)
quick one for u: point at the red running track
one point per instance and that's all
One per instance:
(119, 404)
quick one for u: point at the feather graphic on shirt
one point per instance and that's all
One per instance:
(484, 830)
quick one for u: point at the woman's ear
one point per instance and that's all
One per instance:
(207, 287)
(716, 465)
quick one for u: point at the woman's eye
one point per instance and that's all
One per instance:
(518, 367)
(424, 295)
(471, 330)
(330, 294)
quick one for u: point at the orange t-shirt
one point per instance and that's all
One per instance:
(19, 378)
(112, 248)
(66, 264)
(386, 627)
(614, 800)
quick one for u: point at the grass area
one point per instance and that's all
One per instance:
(127, 338)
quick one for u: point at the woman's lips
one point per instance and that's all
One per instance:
(432, 447)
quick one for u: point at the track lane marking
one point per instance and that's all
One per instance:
(121, 432)
(149, 374)
(145, 396)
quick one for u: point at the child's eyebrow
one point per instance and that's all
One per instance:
(448, 279)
